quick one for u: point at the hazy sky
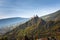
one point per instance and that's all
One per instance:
(27, 8)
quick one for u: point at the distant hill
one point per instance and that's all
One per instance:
(10, 23)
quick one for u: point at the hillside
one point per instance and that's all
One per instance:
(36, 28)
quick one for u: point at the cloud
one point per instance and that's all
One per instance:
(27, 8)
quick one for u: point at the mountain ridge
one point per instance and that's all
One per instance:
(51, 16)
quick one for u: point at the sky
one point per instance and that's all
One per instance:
(27, 8)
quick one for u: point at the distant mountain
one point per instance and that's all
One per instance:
(10, 23)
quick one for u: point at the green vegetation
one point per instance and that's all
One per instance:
(34, 31)
(35, 28)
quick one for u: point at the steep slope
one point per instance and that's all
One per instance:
(34, 27)
(35, 23)
(37, 27)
